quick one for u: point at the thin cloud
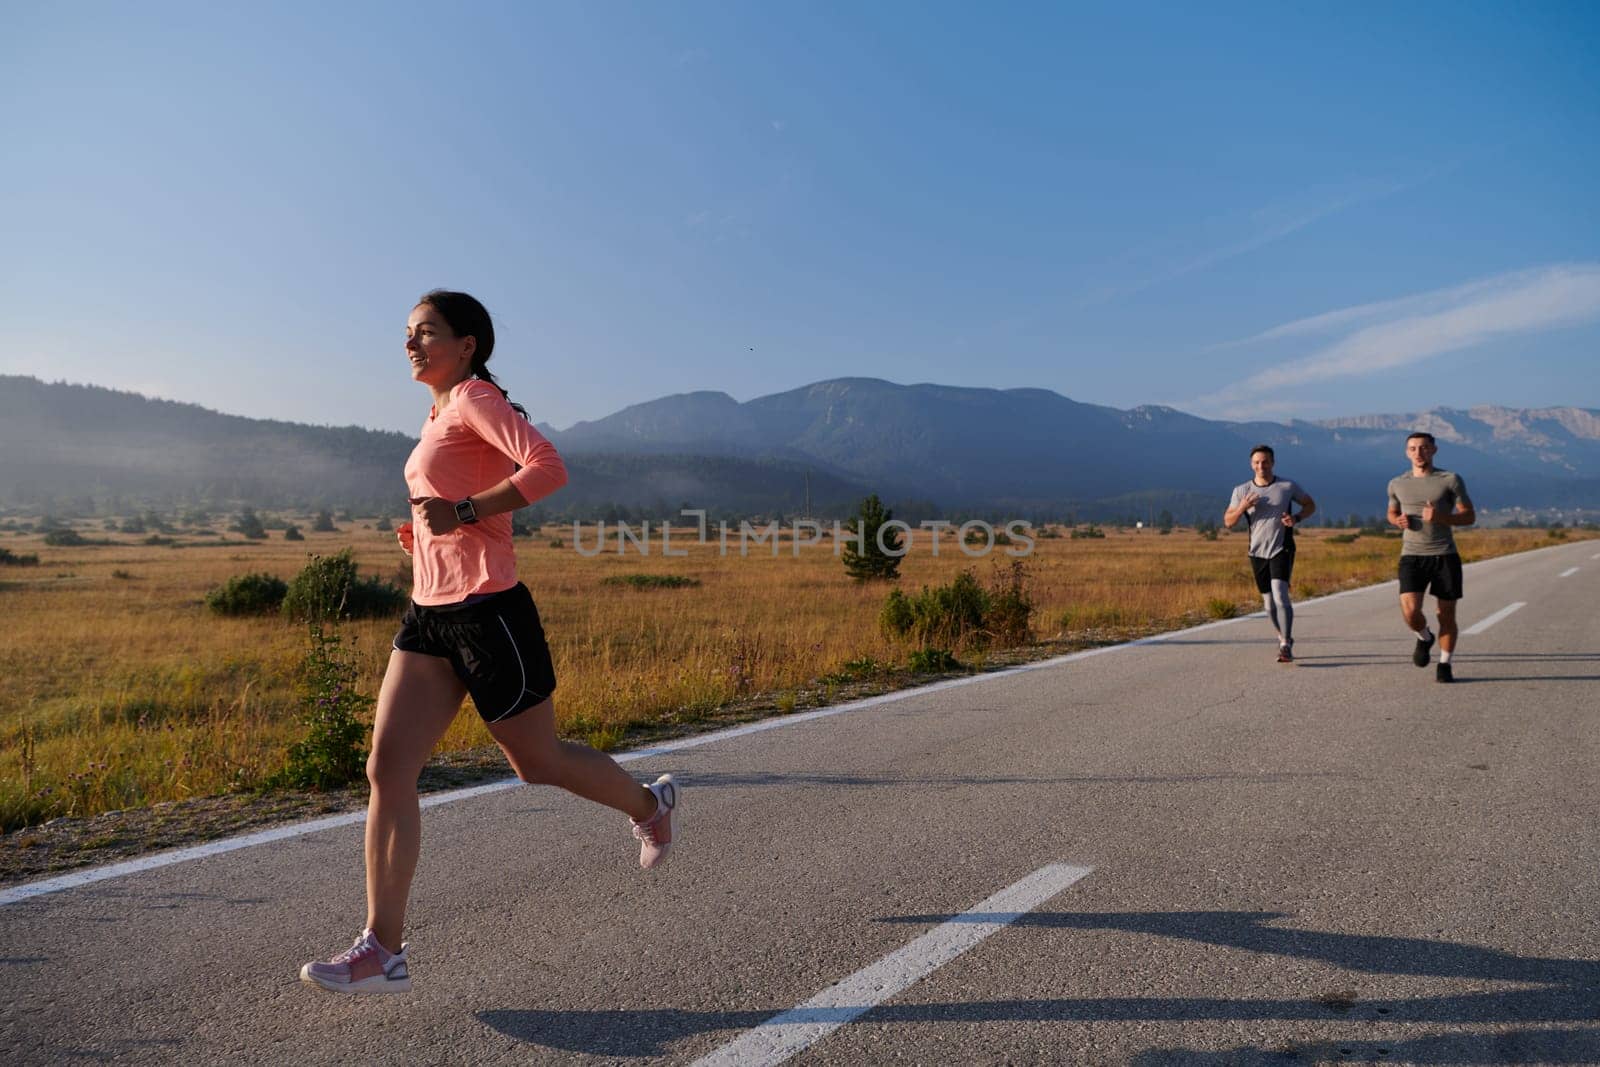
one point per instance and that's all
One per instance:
(1397, 333)
(1334, 321)
(1267, 225)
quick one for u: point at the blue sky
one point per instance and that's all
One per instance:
(1266, 210)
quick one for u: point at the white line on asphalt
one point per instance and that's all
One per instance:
(781, 1036)
(1483, 624)
(280, 833)
(1568, 573)
(228, 844)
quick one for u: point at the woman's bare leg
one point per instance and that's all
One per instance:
(420, 695)
(537, 755)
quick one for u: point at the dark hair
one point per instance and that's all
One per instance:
(467, 317)
(1264, 448)
(1422, 433)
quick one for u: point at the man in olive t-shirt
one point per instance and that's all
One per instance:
(1427, 503)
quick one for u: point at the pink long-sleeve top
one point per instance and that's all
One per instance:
(476, 443)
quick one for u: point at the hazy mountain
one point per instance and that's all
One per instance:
(1035, 449)
(1018, 451)
(84, 447)
(1568, 438)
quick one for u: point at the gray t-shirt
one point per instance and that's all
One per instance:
(1407, 494)
(1268, 534)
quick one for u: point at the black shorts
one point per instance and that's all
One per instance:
(496, 646)
(1442, 573)
(1280, 567)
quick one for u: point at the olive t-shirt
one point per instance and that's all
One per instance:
(1407, 494)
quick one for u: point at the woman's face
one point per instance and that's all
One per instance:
(438, 357)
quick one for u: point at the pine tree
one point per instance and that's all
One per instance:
(868, 561)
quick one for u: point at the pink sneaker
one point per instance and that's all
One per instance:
(364, 967)
(655, 833)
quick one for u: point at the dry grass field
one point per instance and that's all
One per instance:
(122, 690)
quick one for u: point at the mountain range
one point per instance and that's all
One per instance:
(1024, 452)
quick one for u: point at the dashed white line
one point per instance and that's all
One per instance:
(1483, 624)
(1568, 573)
(782, 1036)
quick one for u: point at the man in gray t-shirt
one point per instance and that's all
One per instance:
(1427, 504)
(1269, 502)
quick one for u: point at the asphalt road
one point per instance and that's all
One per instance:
(1175, 852)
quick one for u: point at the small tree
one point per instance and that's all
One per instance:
(292, 532)
(323, 523)
(864, 559)
(1164, 521)
(249, 524)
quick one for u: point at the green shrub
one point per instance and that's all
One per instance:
(933, 661)
(329, 588)
(247, 594)
(65, 539)
(1344, 538)
(9, 558)
(292, 532)
(942, 614)
(651, 581)
(333, 751)
(964, 613)
(1088, 533)
(1218, 608)
(896, 616)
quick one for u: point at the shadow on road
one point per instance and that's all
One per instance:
(1562, 991)
(1462, 1049)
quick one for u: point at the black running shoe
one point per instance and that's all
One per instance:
(1284, 655)
(1419, 655)
(1441, 673)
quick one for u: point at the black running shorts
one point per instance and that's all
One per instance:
(1442, 573)
(496, 646)
(1280, 567)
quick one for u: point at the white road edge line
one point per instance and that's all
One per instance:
(1483, 624)
(784, 1035)
(280, 833)
(1569, 572)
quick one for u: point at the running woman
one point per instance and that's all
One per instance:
(472, 628)
(1426, 503)
(1269, 500)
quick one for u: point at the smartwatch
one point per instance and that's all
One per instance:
(466, 512)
